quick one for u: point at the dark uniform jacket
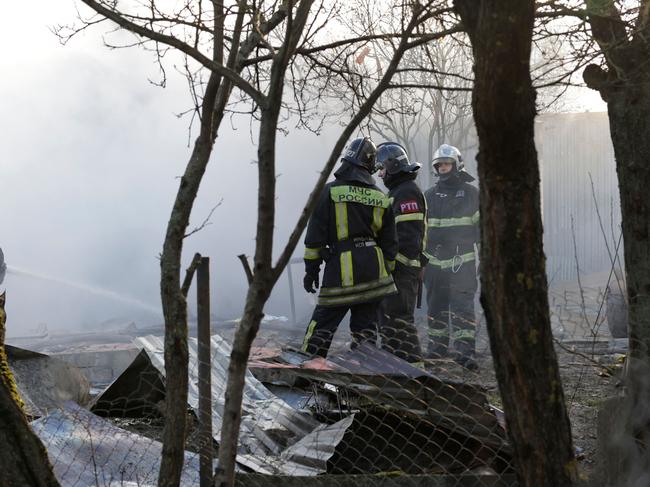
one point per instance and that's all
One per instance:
(410, 211)
(452, 221)
(352, 229)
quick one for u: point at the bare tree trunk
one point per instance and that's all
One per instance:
(173, 300)
(625, 87)
(265, 274)
(513, 277)
(256, 297)
(215, 100)
(629, 115)
(624, 84)
(23, 459)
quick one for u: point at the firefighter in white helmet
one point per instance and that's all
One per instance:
(450, 276)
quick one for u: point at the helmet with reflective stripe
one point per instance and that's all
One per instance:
(361, 152)
(392, 157)
(448, 154)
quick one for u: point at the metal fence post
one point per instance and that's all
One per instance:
(205, 379)
(292, 301)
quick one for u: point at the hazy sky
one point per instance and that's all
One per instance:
(89, 161)
(89, 158)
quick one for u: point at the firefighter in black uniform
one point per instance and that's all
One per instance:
(450, 277)
(397, 328)
(352, 230)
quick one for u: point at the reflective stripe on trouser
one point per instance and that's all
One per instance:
(326, 320)
(438, 335)
(450, 303)
(455, 263)
(465, 341)
(397, 329)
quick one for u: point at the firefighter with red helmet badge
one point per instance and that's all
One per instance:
(396, 321)
(450, 277)
(352, 230)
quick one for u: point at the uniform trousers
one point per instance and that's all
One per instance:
(450, 306)
(397, 329)
(326, 319)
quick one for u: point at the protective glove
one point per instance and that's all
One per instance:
(309, 282)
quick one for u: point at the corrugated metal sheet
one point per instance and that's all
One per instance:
(87, 451)
(274, 437)
(571, 146)
(381, 378)
(44, 382)
(317, 447)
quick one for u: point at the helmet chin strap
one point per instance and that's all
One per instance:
(448, 175)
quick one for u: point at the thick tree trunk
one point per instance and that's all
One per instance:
(23, 459)
(513, 277)
(629, 117)
(625, 85)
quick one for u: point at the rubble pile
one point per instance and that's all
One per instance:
(358, 412)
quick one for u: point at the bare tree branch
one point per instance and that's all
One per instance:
(205, 222)
(195, 54)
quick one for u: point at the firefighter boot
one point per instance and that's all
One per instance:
(464, 354)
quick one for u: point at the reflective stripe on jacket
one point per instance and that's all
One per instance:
(452, 222)
(410, 211)
(352, 229)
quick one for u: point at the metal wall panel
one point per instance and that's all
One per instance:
(571, 146)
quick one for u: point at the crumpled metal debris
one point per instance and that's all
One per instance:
(45, 382)
(86, 451)
(274, 437)
(369, 377)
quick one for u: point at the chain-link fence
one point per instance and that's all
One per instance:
(360, 417)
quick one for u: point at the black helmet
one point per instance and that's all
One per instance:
(392, 157)
(361, 152)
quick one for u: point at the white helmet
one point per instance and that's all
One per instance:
(450, 154)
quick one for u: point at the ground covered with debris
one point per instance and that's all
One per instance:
(360, 412)
(588, 382)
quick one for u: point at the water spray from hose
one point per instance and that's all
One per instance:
(4, 269)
